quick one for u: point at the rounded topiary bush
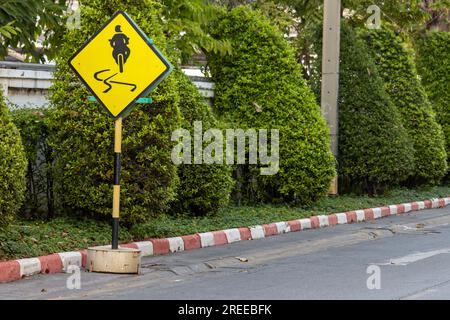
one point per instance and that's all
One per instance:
(374, 150)
(433, 66)
(13, 165)
(203, 188)
(395, 65)
(82, 133)
(260, 86)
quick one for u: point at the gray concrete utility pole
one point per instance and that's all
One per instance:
(330, 74)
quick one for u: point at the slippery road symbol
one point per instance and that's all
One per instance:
(108, 83)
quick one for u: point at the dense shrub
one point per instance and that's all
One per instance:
(13, 164)
(33, 126)
(260, 86)
(395, 65)
(82, 133)
(433, 65)
(203, 188)
(374, 150)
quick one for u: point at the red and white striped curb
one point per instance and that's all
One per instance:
(59, 262)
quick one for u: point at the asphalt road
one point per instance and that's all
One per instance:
(407, 257)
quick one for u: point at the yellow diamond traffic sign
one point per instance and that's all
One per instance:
(119, 64)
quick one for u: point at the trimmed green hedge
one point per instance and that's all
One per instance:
(433, 65)
(203, 188)
(13, 164)
(395, 64)
(260, 86)
(375, 152)
(82, 133)
(33, 126)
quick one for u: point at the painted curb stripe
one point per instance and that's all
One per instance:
(9, 271)
(283, 227)
(393, 209)
(191, 242)
(421, 205)
(294, 225)
(435, 203)
(233, 235)
(400, 208)
(368, 214)
(50, 264)
(245, 234)
(129, 245)
(270, 229)
(83, 258)
(29, 266)
(176, 244)
(407, 207)
(314, 221)
(206, 239)
(376, 213)
(146, 248)
(351, 216)
(220, 238)
(341, 218)
(70, 259)
(257, 232)
(323, 221)
(305, 223)
(385, 211)
(360, 216)
(332, 220)
(160, 246)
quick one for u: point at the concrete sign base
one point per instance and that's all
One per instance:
(121, 260)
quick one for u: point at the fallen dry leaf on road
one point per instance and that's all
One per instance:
(242, 259)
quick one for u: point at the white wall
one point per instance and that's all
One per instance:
(26, 84)
(23, 86)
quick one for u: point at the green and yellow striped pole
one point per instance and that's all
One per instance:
(116, 187)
